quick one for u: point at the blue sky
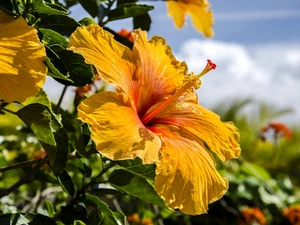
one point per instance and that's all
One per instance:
(241, 21)
(256, 48)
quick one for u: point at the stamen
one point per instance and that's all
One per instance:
(209, 66)
(148, 116)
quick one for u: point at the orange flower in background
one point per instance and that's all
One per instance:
(279, 129)
(293, 214)
(135, 220)
(127, 34)
(22, 71)
(252, 216)
(154, 115)
(201, 17)
(81, 91)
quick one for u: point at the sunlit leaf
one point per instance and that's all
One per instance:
(47, 8)
(135, 186)
(137, 168)
(87, 21)
(52, 37)
(49, 130)
(50, 208)
(78, 222)
(255, 170)
(25, 218)
(41, 98)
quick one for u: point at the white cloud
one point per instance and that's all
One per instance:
(263, 72)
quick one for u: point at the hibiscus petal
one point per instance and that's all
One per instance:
(202, 18)
(116, 128)
(159, 74)
(186, 177)
(22, 71)
(221, 137)
(112, 59)
(177, 11)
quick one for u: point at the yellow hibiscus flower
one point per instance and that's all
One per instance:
(202, 18)
(154, 115)
(22, 71)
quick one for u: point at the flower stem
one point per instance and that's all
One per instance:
(36, 161)
(24, 179)
(60, 99)
(19, 165)
(8, 110)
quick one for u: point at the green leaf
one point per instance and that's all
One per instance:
(95, 217)
(91, 6)
(62, 24)
(49, 130)
(123, 40)
(55, 73)
(38, 118)
(50, 9)
(70, 3)
(142, 21)
(87, 21)
(82, 138)
(41, 98)
(50, 208)
(6, 5)
(108, 217)
(66, 182)
(79, 72)
(43, 177)
(52, 37)
(135, 186)
(105, 189)
(137, 168)
(25, 218)
(120, 2)
(78, 222)
(255, 170)
(71, 213)
(82, 167)
(128, 10)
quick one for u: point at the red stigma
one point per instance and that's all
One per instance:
(210, 65)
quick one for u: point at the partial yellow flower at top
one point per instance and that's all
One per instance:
(154, 115)
(201, 17)
(22, 71)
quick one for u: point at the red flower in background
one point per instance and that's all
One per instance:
(251, 216)
(127, 34)
(280, 129)
(293, 214)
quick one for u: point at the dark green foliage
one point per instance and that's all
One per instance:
(127, 10)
